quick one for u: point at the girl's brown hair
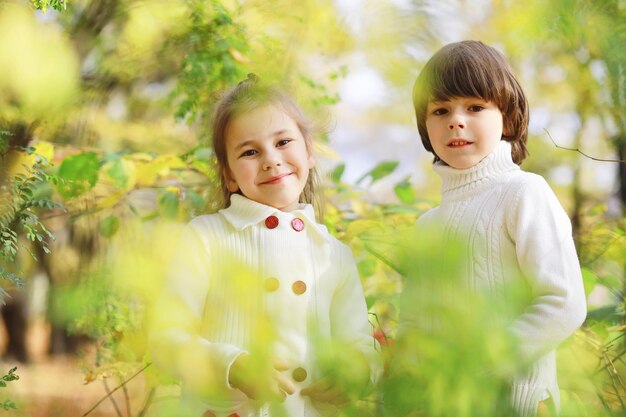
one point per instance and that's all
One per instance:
(248, 95)
(473, 69)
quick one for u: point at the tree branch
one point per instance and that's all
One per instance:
(621, 161)
(116, 388)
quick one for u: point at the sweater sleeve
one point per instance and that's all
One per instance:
(547, 257)
(349, 316)
(176, 344)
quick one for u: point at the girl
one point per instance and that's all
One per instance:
(263, 300)
(472, 115)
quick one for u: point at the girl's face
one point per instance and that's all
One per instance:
(268, 160)
(463, 130)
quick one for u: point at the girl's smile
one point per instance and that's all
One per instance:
(277, 179)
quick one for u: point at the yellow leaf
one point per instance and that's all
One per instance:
(45, 149)
(147, 174)
(323, 150)
(358, 227)
(111, 200)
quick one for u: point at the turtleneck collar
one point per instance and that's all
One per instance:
(457, 183)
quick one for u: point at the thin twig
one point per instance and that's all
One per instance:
(127, 398)
(147, 403)
(612, 371)
(621, 161)
(116, 388)
(110, 396)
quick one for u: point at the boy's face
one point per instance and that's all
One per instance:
(463, 130)
(268, 160)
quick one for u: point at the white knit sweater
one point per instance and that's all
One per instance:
(247, 280)
(516, 233)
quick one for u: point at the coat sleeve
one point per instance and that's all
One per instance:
(542, 233)
(349, 316)
(176, 344)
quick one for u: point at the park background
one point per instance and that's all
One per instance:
(104, 110)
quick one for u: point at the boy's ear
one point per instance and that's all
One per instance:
(507, 129)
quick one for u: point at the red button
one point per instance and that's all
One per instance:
(298, 287)
(233, 415)
(297, 224)
(271, 222)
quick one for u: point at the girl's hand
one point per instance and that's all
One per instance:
(543, 410)
(327, 390)
(246, 376)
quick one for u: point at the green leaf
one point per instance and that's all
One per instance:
(169, 205)
(380, 171)
(405, 192)
(79, 174)
(367, 267)
(337, 173)
(117, 172)
(109, 226)
(590, 280)
(203, 153)
(197, 202)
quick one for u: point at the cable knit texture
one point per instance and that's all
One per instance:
(517, 234)
(240, 286)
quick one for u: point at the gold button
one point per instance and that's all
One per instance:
(298, 287)
(271, 284)
(299, 374)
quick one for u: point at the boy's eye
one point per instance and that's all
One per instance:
(249, 152)
(439, 111)
(283, 142)
(476, 108)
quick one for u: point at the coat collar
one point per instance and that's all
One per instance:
(243, 213)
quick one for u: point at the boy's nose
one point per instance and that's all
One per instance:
(456, 121)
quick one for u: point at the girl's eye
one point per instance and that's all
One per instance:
(476, 108)
(283, 142)
(249, 152)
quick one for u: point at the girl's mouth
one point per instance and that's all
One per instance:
(276, 179)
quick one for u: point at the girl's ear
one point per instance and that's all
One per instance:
(231, 184)
(311, 160)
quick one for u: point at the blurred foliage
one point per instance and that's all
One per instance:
(10, 376)
(55, 4)
(118, 94)
(23, 193)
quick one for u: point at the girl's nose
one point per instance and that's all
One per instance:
(271, 160)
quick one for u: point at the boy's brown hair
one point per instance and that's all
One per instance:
(473, 69)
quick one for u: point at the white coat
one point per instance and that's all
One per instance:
(254, 279)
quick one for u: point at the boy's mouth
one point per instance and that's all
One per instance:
(457, 143)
